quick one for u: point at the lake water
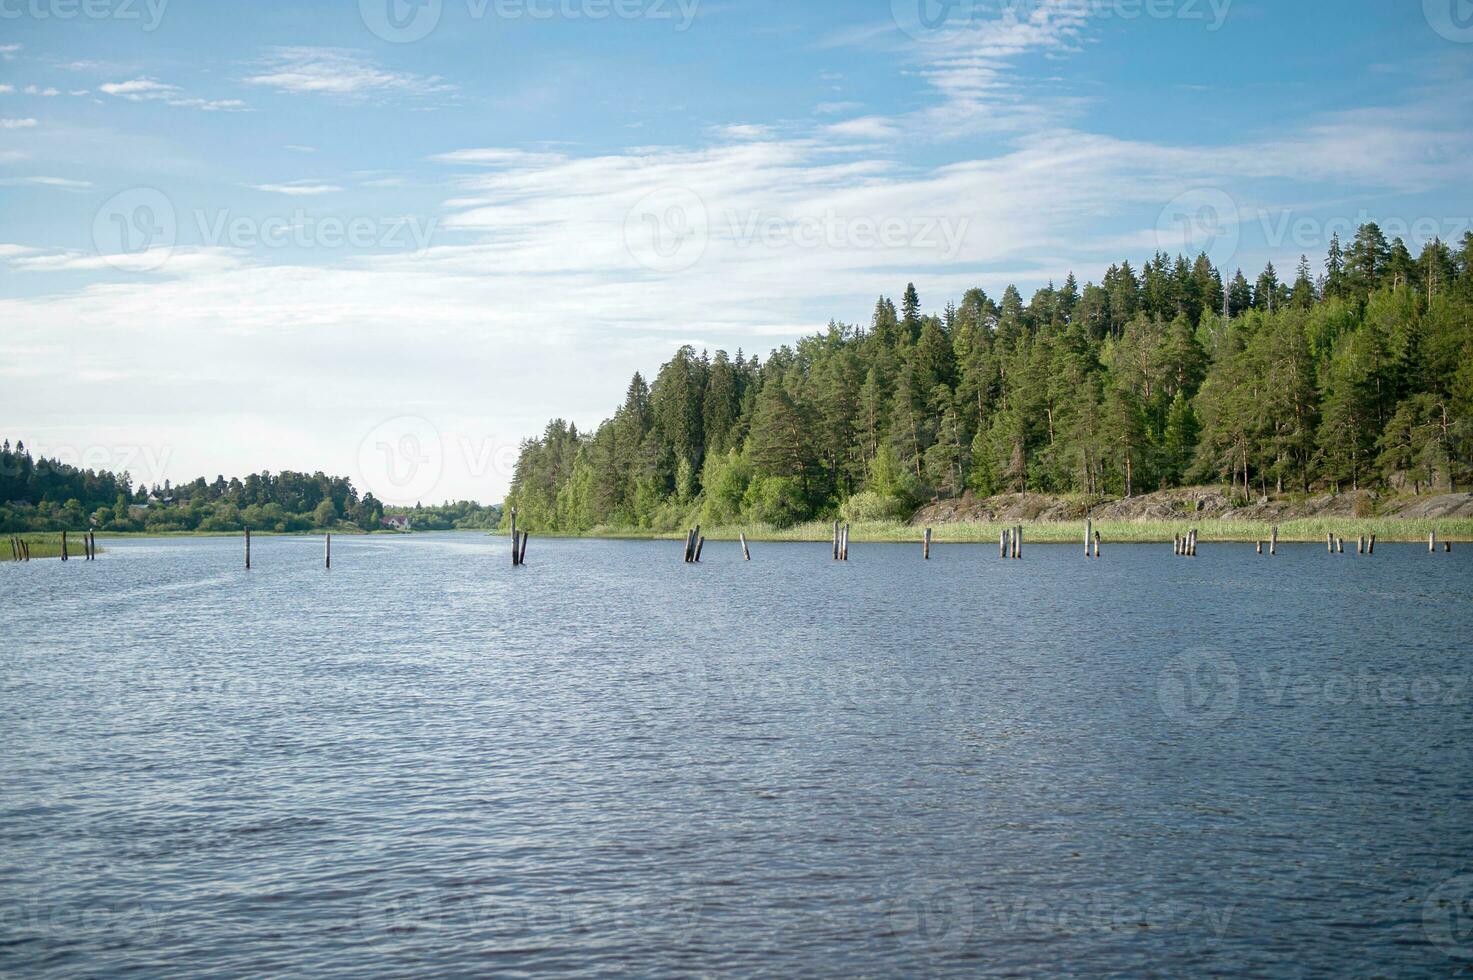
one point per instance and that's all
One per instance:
(426, 761)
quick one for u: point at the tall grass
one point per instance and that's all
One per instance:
(45, 545)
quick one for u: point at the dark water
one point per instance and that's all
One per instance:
(424, 761)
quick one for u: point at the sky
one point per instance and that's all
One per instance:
(390, 239)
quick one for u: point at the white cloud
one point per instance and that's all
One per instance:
(17, 123)
(744, 131)
(297, 148)
(339, 72)
(298, 188)
(149, 90)
(8, 51)
(63, 183)
(836, 108)
(7, 89)
(44, 92)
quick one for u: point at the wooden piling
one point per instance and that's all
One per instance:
(1360, 545)
(1260, 547)
(1089, 532)
(92, 536)
(1447, 547)
(327, 552)
(844, 545)
(1339, 545)
(1002, 544)
(1097, 544)
(522, 553)
(1192, 543)
(64, 554)
(700, 543)
(25, 550)
(746, 554)
(1431, 542)
(248, 548)
(836, 540)
(1273, 541)
(1330, 543)
(1018, 541)
(1371, 545)
(926, 546)
(515, 540)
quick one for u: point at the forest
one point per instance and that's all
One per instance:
(1358, 374)
(41, 494)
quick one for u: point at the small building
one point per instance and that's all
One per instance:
(397, 522)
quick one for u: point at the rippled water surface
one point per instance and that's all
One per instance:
(426, 761)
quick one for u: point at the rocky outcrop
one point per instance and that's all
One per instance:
(1200, 503)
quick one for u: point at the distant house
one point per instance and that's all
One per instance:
(398, 523)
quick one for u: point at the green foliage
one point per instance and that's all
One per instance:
(1361, 376)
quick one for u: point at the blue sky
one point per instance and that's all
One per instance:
(390, 239)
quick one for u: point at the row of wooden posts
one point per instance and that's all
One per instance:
(1010, 544)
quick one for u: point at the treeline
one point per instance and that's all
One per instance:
(458, 515)
(49, 495)
(1358, 376)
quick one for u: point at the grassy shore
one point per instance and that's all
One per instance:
(1306, 529)
(45, 545)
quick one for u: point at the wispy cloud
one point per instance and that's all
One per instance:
(62, 183)
(339, 72)
(298, 188)
(17, 123)
(9, 51)
(6, 89)
(150, 90)
(298, 148)
(44, 92)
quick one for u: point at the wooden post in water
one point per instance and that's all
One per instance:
(1260, 547)
(327, 552)
(1431, 542)
(1089, 533)
(844, 546)
(1097, 544)
(746, 554)
(1273, 541)
(926, 546)
(92, 536)
(1194, 542)
(1018, 541)
(522, 554)
(1447, 547)
(1371, 545)
(248, 548)
(515, 540)
(1360, 545)
(700, 543)
(64, 555)
(1339, 545)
